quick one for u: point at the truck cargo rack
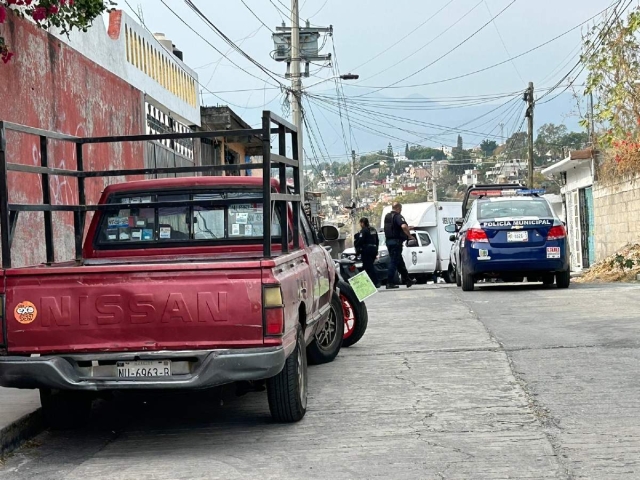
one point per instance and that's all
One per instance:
(9, 212)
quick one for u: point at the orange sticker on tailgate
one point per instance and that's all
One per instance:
(25, 312)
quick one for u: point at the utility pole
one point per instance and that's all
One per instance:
(433, 180)
(529, 100)
(501, 133)
(353, 193)
(296, 85)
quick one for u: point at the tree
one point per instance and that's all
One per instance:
(610, 54)
(515, 147)
(64, 15)
(406, 151)
(488, 147)
(549, 140)
(425, 153)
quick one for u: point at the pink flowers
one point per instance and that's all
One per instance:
(39, 14)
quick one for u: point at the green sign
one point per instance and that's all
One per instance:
(362, 286)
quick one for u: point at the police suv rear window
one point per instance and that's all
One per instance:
(494, 208)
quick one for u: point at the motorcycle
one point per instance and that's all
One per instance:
(356, 317)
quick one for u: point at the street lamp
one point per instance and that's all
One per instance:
(346, 76)
(354, 187)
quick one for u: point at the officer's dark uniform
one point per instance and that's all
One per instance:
(395, 236)
(366, 244)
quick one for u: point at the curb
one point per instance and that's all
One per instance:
(16, 433)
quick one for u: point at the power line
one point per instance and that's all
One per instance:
(495, 64)
(215, 48)
(230, 42)
(437, 37)
(257, 17)
(446, 53)
(403, 38)
(503, 42)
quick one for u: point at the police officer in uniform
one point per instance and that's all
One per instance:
(366, 243)
(397, 232)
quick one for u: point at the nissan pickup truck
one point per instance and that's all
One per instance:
(173, 290)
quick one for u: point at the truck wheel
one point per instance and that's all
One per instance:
(327, 341)
(449, 276)
(548, 279)
(287, 391)
(563, 279)
(458, 278)
(63, 410)
(356, 317)
(468, 282)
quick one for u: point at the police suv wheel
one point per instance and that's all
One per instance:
(563, 279)
(468, 282)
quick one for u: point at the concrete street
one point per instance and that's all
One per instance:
(509, 381)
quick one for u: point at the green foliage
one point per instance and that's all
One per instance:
(64, 15)
(623, 263)
(610, 54)
(488, 147)
(425, 153)
(556, 141)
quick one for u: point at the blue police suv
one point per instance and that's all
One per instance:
(510, 233)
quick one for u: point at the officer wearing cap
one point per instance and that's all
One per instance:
(397, 232)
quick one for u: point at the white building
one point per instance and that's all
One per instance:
(153, 65)
(576, 176)
(470, 177)
(508, 170)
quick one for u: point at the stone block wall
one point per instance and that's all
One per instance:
(617, 216)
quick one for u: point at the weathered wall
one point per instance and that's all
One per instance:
(617, 210)
(49, 85)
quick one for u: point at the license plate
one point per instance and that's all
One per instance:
(517, 236)
(150, 368)
(553, 252)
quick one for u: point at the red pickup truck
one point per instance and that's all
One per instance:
(173, 290)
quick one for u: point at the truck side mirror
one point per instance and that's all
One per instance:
(450, 228)
(330, 233)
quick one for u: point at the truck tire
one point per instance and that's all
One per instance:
(548, 279)
(468, 282)
(458, 278)
(449, 276)
(63, 410)
(352, 307)
(287, 391)
(563, 279)
(327, 341)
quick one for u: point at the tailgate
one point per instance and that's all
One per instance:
(130, 309)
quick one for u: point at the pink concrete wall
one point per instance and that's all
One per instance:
(51, 86)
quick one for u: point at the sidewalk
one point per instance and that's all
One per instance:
(19, 417)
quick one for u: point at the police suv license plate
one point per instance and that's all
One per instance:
(518, 236)
(144, 368)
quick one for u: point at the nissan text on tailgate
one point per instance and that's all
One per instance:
(181, 283)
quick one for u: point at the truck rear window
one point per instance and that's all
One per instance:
(490, 209)
(226, 221)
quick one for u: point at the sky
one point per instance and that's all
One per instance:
(364, 36)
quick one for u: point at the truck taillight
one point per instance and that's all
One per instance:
(476, 235)
(273, 310)
(557, 233)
